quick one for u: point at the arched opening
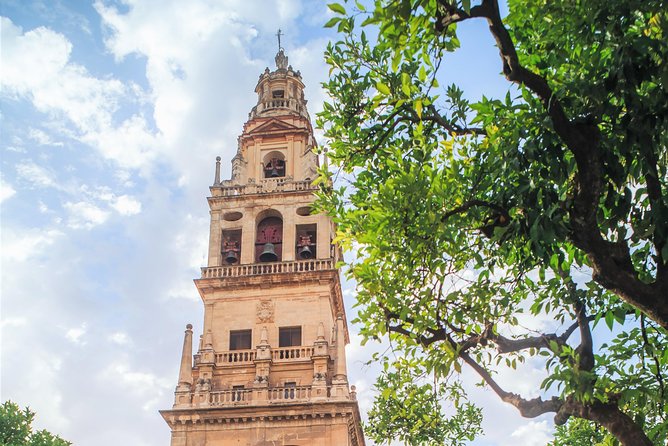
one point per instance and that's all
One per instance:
(269, 240)
(274, 165)
(231, 247)
(306, 237)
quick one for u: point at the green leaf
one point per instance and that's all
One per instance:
(333, 21)
(382, 88)
(337, 8)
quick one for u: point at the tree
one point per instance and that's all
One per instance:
(551, 201)
(16, 428)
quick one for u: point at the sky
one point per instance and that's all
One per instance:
(111, 116)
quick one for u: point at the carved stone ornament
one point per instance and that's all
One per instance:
(265, 311)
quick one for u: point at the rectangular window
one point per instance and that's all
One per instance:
(289, 336)
(240, 339)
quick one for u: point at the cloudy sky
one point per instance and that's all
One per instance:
(112, 115)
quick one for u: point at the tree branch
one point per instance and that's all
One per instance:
(527, 408)
(611, 261)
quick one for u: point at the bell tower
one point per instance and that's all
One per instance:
(270, 365)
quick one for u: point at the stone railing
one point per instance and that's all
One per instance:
(264, 186)
(256, 269)
(277, 103)
(235, 357)
(291, 353)
(289, 393)
(231, 397)
(240, 397)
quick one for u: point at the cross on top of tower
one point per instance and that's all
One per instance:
(279, 34)
(281, 58)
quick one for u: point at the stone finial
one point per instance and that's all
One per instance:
(321, 332)
(216, 181)
(186, 370)
(264, 337)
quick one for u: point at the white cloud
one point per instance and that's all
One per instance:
(21, 246)
(533, 433)
(33, 59)
(6, 191)
(37, 175)
(120, 338)
(42, 138)
(126, 205)
(37, 66)
(75, 334)
(85, 215)
(13, 322)
(121, 373)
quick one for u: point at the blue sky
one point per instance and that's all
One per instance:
(112, 114)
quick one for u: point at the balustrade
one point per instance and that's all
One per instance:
(265, 186)
(291, 353)
(289, 393)
(232, 396)
(256, 269)
(235, 357)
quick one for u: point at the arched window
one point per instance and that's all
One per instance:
(269, 240)
(274, 165)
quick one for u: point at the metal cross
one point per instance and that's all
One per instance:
(278, 34)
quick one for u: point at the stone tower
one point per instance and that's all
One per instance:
(270, 366)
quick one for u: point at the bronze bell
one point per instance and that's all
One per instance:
(231, 256)
(305, 252)
(274, 172)
(268, 253)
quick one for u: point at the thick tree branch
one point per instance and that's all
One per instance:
(607, 415)
(610, 261)
(527, 408)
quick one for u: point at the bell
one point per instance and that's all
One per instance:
(305, 252)
(231, 256)
(268, 253)
(274, 173)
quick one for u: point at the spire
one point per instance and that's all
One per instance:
(186, 371)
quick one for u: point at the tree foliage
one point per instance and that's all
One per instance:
(472, 216)
(16, 428)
